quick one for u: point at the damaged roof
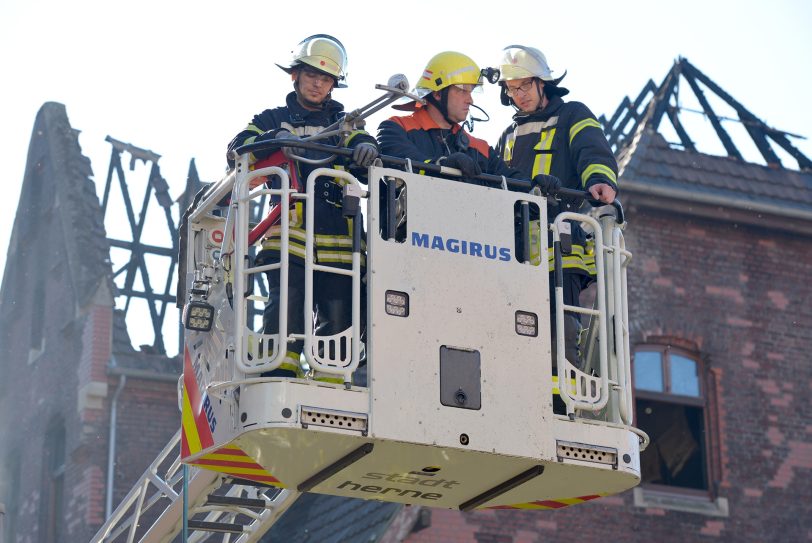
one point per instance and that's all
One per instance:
(58, 181)
(677, 172)
(652, 166)
(332, 519)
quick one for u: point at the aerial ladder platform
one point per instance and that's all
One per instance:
(456, 410)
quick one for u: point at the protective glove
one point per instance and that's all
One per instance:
(464, 163)
(547, 184)
(364, 154)
(289, 151)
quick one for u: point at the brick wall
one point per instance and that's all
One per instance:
(68, 382)
(743, 295)
(41, 384)
(148, 417)
(56, 326)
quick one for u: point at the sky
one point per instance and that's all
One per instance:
(181, 78)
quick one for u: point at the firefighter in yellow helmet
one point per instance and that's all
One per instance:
(433, 133)
(318, 65)
(561, 139)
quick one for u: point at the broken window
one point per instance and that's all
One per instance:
(671, 407)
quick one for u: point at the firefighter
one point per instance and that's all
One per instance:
(564, 140)
(433, 133)
(318, 66)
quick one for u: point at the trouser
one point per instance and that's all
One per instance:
(572, 321)
(332, 300)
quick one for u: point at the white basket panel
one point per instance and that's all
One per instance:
(333, 351)
(583, 387)
(260, 350)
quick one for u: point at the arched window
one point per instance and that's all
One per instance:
(671, 407)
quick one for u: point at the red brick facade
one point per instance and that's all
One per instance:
(51, 391)
(56, 355)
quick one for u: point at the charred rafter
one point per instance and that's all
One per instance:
(136, 267)
(663, 101)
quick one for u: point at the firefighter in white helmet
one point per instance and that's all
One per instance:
(433, 133)
(318, 65)
(563, 140)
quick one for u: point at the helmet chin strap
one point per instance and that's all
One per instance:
(442, 105)
(540, 92)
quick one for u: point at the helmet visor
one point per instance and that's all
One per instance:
(468, 87)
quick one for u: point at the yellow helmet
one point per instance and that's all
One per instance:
(448, 68)
(323, 53)
(520, 62)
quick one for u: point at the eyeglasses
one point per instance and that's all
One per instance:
(524, 88)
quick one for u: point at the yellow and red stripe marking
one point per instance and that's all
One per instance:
(232, 460)
(196, 434)
(558, 503)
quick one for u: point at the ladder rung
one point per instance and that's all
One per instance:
(215, 527)
(239, 502)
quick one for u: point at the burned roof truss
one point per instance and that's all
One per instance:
(664, 101)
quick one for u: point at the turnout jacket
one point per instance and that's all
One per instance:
(419, 138)
(333, 232)
(567, 141)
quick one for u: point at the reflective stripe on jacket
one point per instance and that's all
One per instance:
(565, 140)
(333, 232)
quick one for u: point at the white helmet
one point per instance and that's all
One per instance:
(520, 62)
(323, 53)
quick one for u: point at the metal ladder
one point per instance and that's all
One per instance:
(217, 505)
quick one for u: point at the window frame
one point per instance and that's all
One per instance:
(703, 501)
(667, 396)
